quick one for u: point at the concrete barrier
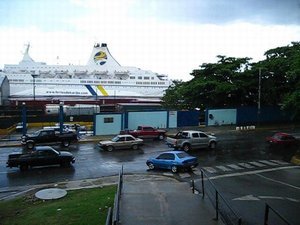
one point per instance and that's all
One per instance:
(242, 128)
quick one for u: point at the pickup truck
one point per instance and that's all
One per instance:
(40, 156)
(146, 132)
(190, 139)
(48, 136)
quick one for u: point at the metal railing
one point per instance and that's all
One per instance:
(109, 217)
(116, 211)
(221, 206)
(267, 216)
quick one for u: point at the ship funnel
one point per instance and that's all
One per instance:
(102, 58)
(26, 58)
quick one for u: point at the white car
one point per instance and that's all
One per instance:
(19, 127)
(122, 141)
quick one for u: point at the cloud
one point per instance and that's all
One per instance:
(221, 11)
(169, 37)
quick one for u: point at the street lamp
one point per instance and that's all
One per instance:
(34, 76)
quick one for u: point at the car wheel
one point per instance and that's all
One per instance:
(23, 167)
(134, 147)
(151, 166)
(65, 143)
(186, 147)
(110, 148)
(174, 169)
(213, 145)
(30, 145)
(161, 137)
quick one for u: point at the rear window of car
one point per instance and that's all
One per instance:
(195, 135)
(182, 155)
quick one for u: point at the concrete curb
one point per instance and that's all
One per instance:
(79, 184)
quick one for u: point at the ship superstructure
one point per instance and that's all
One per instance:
(103, 76)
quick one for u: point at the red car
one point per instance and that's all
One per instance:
(282, 139)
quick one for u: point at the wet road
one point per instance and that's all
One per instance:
(92, 162)
(242, 167)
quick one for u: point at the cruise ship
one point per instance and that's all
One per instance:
(102, 77)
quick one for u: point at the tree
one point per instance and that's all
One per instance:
(233, 82)
(221, 84)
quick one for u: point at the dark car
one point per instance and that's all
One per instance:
(172, 160)
(282, 139)
(40, 156)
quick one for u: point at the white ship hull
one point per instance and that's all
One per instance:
(45, 88)
(101, 77)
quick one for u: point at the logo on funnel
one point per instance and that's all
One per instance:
(100, 58)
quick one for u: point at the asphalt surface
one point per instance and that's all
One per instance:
(146, 199)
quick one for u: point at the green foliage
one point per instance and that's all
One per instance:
(233, 82)
(87, 206)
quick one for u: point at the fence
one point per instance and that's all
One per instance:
(218, 201)
(113, 216)
(267, 218)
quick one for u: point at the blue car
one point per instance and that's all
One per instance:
(172, 160)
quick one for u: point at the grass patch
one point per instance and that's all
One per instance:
(82, 207)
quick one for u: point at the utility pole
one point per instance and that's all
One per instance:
(259, 95)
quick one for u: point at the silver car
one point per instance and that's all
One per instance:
(122, 141)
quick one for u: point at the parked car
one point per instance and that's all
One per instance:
(40, 156)
(146, 132)
(172, 160)
(191, 139)
(282, 139)
(121, 141)
(47, 136)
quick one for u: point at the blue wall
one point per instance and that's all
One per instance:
(102, 127)
(187, 118)
(248, 115)
(172, 119)
(152, 118)
(220, 117)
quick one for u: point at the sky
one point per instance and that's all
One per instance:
(170, 37)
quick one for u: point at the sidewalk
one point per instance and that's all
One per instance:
(163, 201)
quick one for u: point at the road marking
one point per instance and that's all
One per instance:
(252, 172)
(184, 175)
(236, 167)
(223, 168)
(246, 198)
(257, 164)
(246, 165)
(293, 200)
(197, 171)
(210, 169)
(258, 198)
(268, 162)
(280, 162)
(279, 182)
(168, 174)
(271, 197)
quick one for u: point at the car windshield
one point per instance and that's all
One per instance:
(115, 139)
(182, 155)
